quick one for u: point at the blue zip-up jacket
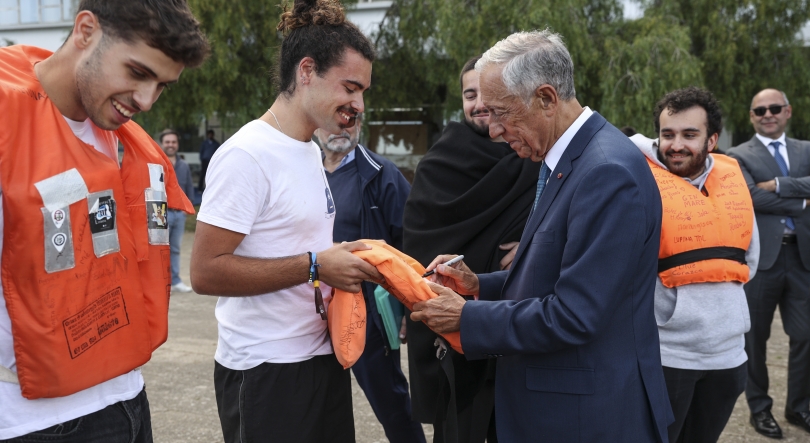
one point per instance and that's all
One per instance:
(384, 192)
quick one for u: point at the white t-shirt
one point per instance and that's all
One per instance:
(271, 188)
(20, 416)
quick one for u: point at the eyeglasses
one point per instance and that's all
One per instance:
(775, 110)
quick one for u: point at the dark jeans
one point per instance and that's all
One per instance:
(203, 171)
(702, 402)
(123, 422)
(304, 402)
(386, 388)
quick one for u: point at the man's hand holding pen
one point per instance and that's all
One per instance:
(443, 313)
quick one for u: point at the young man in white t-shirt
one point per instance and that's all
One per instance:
(113, 65)
(266, 219)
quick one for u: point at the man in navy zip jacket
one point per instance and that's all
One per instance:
(370, 194)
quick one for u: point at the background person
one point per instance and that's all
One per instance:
(369, 193)
(700, 304)
(115, 63)
(471, 195)
(265, 230)
(169, 142)
(777, 170)
(208, 147)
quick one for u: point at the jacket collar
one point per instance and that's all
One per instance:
(369, 164)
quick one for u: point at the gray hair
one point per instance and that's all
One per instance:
(532, 59)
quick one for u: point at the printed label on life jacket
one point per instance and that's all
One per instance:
(58, 240)
(157, 217)
(96, 321)
(102, 222)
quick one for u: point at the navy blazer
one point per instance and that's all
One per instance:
(572, 322)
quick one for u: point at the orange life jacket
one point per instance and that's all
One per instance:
(85, 264)
(347, 311)
(704, 237)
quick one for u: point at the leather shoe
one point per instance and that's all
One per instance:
(764, 423)
(800, 419)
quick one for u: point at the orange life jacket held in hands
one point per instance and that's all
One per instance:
(85, 265)
(347, 311)
(704, 237)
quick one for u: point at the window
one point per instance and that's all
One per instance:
(25, 12)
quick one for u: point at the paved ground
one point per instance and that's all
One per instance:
(180, 380)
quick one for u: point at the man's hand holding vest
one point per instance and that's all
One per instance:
(343, 270)
(441, 314)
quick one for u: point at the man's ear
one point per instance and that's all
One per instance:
(713, 142)
(306, 69)
(86, 30)
(546, 97)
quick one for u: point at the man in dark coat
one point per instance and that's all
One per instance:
(471, 195)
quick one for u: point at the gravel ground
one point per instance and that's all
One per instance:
(180, 384)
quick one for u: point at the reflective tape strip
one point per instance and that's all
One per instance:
(62, 190)
(8, 376)
(156, 180)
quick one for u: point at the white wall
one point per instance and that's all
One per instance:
(368, 15)
(48, 37)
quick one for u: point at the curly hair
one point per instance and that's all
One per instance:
(167, 25)
(683, 99)
(316, 29)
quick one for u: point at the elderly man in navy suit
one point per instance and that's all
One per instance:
(572, 322)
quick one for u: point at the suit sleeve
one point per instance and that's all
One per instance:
(796, 187)
(490, 285)
(608, 227)
(767, 202)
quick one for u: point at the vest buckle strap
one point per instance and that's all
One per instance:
(696, 255)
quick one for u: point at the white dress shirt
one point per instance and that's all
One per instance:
(555, 153)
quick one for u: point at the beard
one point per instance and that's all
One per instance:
(341, 143)
(692, 167)
(482, 130)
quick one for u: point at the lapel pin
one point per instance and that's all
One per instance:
(559, 175)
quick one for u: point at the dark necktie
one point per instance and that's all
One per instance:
(541, 184)
(780, 161)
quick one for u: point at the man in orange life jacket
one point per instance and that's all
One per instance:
(709, 249)
(85, 253)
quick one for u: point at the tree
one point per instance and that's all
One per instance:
(646, 59)
(621, 67)
(746, 46)
(236, 83)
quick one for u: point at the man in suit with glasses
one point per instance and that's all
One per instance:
(777, 170)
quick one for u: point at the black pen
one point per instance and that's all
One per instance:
(452, 261)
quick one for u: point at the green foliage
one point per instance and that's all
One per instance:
(646, 59)
(746, 46)
(236, 82)
(733, 47)
(424, 43)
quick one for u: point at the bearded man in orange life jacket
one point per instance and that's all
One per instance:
(709, 249)
(85, 250)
